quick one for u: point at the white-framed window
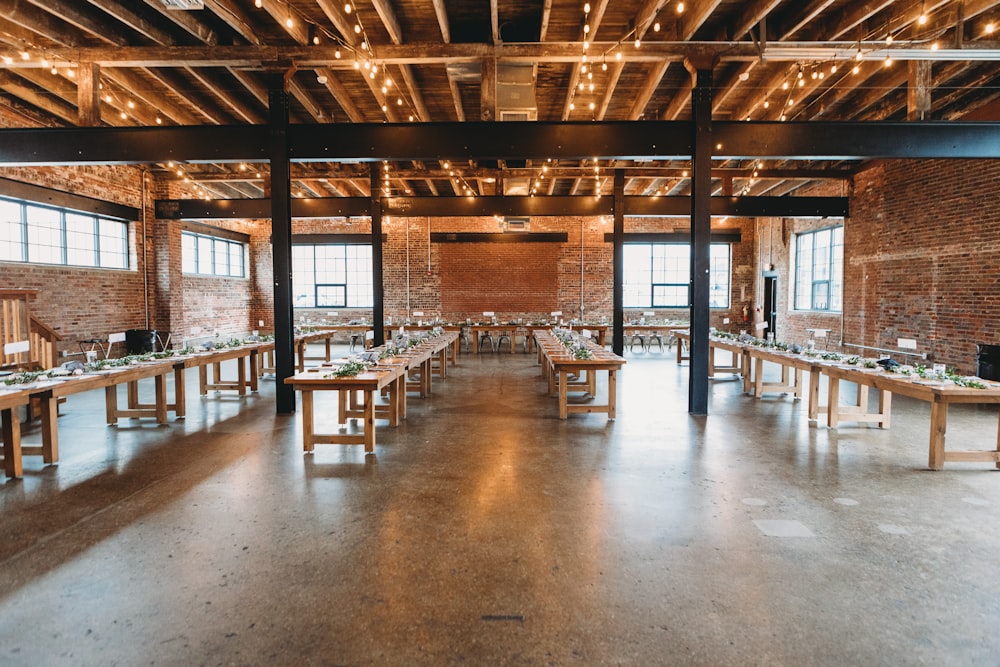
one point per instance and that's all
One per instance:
(50, 235)
(819, 269)
(212, 256)
(332, 275)
(658, 275)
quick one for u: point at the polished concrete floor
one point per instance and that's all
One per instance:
(485, 531)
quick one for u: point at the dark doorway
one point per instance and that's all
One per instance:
(770, 302)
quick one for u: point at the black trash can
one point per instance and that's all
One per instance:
(140, 341)
(988, 361)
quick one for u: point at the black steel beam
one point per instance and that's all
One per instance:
(378, 288)
(701, 234)
(472, 206)
(43, 195)
(499, 237)
(134, 145)
(845, 141)
(281, 240)
(624, 140)
(672, 237)
(508, 140)
(325, 239)
(618, 261)
(338, 207)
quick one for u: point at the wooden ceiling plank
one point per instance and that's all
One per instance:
(126, 16)
(543, 28)
(652, 82)
(24, 21)
(83, 19)
(187, 22)
(752, 14)
(230, 100)
(342, 95)
(614, 74)
(339, 20)
(388, 15)
(235, 18)
(414, 90)
(441, 12)
(695, 17)
(281, 12)
(170, 79)
(456, 98)
(805, 16)
(135, 85)
(307, 101)
(14, 84)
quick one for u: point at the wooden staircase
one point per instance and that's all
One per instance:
(18, 325)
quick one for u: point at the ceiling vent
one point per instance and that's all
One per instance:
(516, 224)
(516, 92)
(184, 5)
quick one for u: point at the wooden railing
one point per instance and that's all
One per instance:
(17, 324)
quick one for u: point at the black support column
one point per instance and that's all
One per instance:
(618, 239)
(281, 241)
(378, 291)
(701, 235)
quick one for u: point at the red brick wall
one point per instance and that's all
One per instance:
(507, 278)
(922, 247)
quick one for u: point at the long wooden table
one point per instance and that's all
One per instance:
(739, 365)
(47, 392)
(357, 394)
(559, 364)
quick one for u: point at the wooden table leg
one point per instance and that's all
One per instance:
(308, 428)
(49, 407)
(132, 394)
(591, 382)
(758, 380)
(612, 394)
(202, 379)
(12, 443)
(241, 375)
(939, 425)
(161, 398)
(884, 407)
(180, 406)
(814, 376)
(401, 390)
(797, 378)
(833, 403)
(369, 398)
(563, 405)
(998, 441)
(253, 363)
(111, 404)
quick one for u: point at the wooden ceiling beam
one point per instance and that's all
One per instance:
(342, 96)
(304, 98)
(154, 98)
(388, 16)
(441, 13)
(55, 106)
(186, 21)
(23, 21)
(804, 17)
(235, 18)
(126, 16)
(339, 20)
(82, 18)
(223, 93)
(652, 82)
(695, 17)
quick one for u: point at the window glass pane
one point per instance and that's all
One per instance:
(81, 239)
(44, 235)
(113, 243)
(819, 269)
(637, 275)
(236, 259)
(668, 296)
(205, 257)
(332, 275)
(11, 232)
(331, 296)
(189, 253)
(220, 252)
(719, 276)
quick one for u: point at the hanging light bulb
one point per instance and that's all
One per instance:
(888, 60)
(833, 69)
(604, 67)
(766, 104)
(855, 69)
(347, 8)
(888, 40)
(586, 8)
(258, 3)
(336, 54)
(680, 7)
(656, 27)
(638, 42)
